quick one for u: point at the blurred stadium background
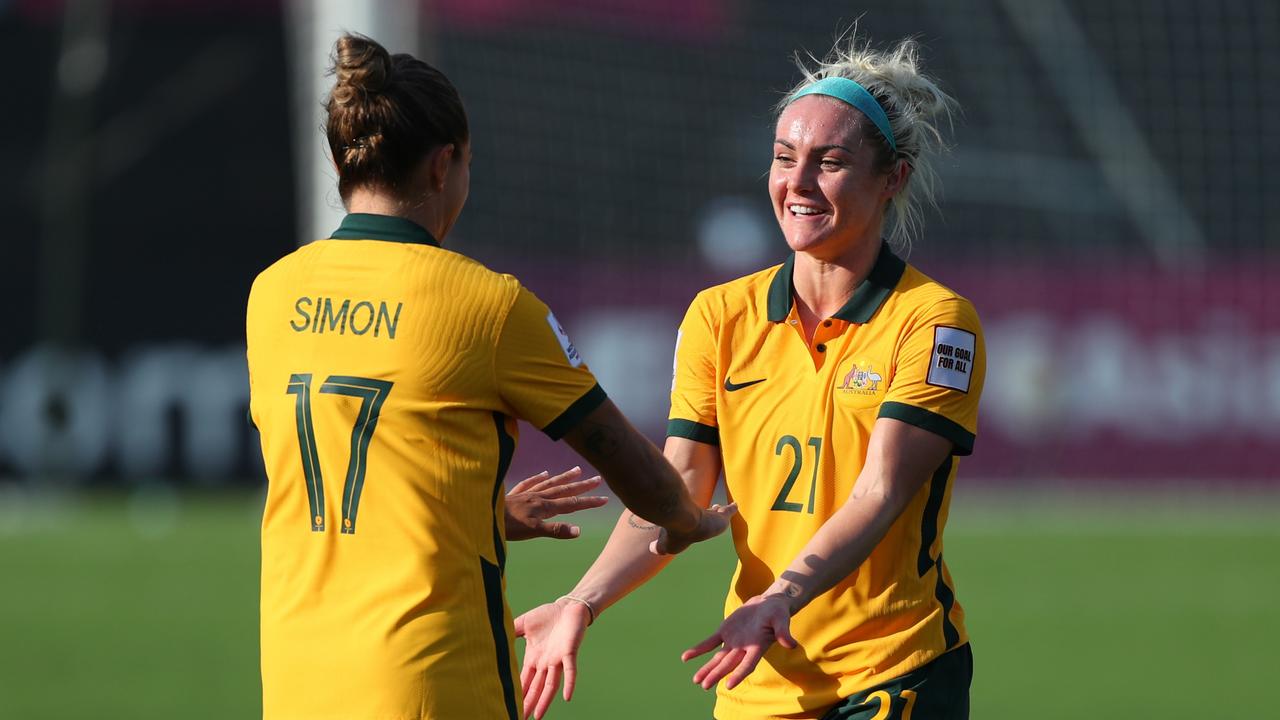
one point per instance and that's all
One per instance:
(1111, 207)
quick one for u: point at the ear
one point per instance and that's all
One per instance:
(897, 179)
(439, 162)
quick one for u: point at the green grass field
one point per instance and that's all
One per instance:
(1107, 608)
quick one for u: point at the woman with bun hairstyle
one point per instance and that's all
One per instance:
(387, 374)
(835, 391)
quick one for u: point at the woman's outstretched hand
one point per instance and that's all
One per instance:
(543, 496)
(552, 634)
(743, 638)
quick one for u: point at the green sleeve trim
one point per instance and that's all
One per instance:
(695, 431)
(574, 414)
(933, 422)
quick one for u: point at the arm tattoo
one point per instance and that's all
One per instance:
(640, 524)
(788, 583)
(791, 589)
(601, 439)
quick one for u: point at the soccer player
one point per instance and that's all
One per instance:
(835, 391)
(386, 377)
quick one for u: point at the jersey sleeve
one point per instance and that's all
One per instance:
(539, 372)
(940, 370)
(693, 383)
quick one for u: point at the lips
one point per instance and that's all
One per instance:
(803, 211)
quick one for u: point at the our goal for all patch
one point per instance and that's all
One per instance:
(952, 363)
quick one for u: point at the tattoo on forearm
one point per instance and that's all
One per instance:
(602, 440)
(789, 584)
(640, 524)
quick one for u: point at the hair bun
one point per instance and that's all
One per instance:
(362, 66)
(385, 114)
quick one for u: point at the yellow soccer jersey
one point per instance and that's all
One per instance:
(793, 420)
(386, 374)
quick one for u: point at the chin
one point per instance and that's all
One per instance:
(807, 243)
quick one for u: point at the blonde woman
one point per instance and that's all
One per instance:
(835, 391)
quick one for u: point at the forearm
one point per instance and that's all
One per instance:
(634, 469)
(626, 561)
(624, 565)
(836, 551)
(652, 490)
(900, 458)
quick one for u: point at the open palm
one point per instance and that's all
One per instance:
(553, 633)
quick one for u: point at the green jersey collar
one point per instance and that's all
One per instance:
(867, 297)
(365, 226)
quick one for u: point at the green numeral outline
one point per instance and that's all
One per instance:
(816, 444)
(372, 394)
(300, 385)
(781, 503)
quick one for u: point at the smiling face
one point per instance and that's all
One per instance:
(828, 194)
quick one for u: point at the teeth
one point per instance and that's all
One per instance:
(802, 210)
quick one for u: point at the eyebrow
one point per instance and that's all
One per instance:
(820, 149)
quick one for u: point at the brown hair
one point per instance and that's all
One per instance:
(385, 113)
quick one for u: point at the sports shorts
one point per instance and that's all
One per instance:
(937, 691)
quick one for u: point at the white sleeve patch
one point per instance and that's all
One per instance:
(951, 364)
(570, 351)
(675, 360)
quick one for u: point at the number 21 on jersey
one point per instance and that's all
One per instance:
(790, 442)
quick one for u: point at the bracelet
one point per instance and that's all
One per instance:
(590, 610)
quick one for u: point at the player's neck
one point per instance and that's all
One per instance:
(374, 202)
(823, 286)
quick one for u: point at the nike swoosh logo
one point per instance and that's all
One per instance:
(733, 386)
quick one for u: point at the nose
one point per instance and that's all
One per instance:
(802, 177)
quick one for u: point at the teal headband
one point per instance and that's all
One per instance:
(855, 95)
